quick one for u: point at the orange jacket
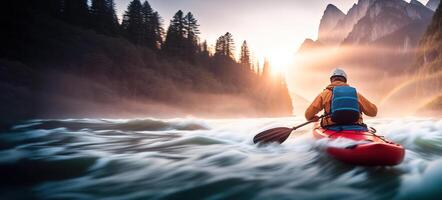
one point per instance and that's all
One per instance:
(323, 101)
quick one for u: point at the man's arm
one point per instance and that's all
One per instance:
(314, 108)
(367, 107)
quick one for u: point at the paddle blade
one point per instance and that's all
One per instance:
(273, 135)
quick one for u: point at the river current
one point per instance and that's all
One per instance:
(190, 158)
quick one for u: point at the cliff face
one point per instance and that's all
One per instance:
(327, 33)
(429, 59)
(337, 25)
(379, 41)
(381, 34)
(369, 21)
(386, 17)
(428, 66)
(357, 12)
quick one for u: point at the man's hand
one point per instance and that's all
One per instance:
(314, 119)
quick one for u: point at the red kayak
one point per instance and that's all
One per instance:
(377, 151)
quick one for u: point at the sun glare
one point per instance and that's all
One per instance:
(280, 61)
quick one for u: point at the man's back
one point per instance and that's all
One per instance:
(323, 101)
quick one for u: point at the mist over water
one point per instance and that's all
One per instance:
(387, 76)
(186, 158)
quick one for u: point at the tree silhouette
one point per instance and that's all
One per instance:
(205, 49)
(103, 17)
(175, 43)
(182, 36)
(142, 25)
(133, 23)
(220, 46)
(191, 27)
(147, 14)
(158, 31)
(225, 46)
(245, 56)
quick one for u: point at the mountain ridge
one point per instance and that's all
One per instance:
(370, 20)
(354, 14)
(326, 33)
(386, 17)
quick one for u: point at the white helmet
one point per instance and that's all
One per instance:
(338, 72)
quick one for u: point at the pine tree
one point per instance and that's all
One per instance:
(76, 12)
(191, 27)
(133, 23)
(219, 46)
(205, 49)
(175, 43)
(158, 30)
(178, 24)
(230, 45)
(245, 55)
(103, 17)
(225, 46)
(148, 30)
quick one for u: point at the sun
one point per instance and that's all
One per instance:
(280, 61)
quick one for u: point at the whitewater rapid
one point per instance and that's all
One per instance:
(190, 158)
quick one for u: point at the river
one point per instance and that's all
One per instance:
(190, 158)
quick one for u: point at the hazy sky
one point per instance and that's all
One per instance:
(273, 28)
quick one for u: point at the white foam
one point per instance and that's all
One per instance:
(423, 185)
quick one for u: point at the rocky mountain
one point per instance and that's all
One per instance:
(380, 36)
(404, 39)
(308, 45)
(356, 12)
(369, 21)
(433, 4)
(385, 17)
(391, 41)
(335, 25)
(428, 66)
(394, 24)
(429, 58)
(327, 33)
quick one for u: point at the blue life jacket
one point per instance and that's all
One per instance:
(344, 107)
(354, 127)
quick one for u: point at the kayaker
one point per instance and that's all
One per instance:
(342, 104)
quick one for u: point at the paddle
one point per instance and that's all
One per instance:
(279, 134)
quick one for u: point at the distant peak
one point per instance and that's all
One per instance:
(308, 45)
(332, 10)
(331, 7)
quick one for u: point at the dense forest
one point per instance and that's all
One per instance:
(74, 58)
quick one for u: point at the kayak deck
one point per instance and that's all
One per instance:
(376, 152)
